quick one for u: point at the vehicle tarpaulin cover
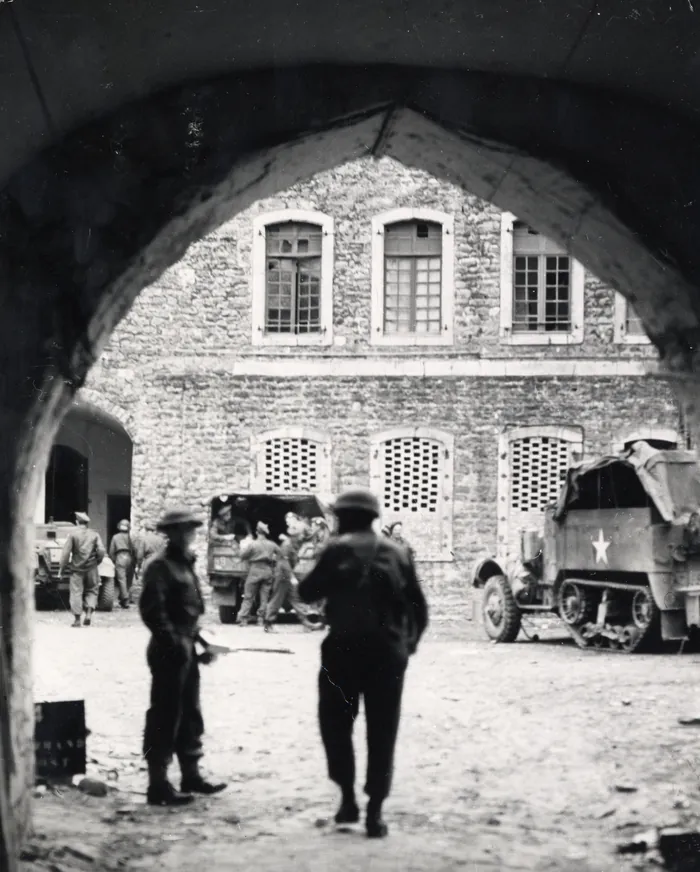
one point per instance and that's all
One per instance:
(270, 508)
(670, 479)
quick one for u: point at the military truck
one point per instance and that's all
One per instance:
(52, 590)
(227, 571)
(617, 560)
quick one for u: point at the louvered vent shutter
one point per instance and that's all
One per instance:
(413, 472)
(291, 465)
(538, 465)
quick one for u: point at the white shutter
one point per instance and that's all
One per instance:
(290, 465)
(538, 465)
(412, 487)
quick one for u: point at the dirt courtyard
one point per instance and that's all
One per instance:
(527, 756)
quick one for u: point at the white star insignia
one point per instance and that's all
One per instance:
(601, 546)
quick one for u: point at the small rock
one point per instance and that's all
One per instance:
(605, 812)
(232, 819)
(172, 837)
(92, 787)
(39, 791)
(82, 852)
(681, 803)
(626, 702)
(319, 823)
(192, 821)
(493, 822)
(112, 775)
(691, 721)
(626, 788)
(127, 809)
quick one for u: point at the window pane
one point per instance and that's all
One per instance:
(293, 238)
(633, 325)
(308, 308)
(541, 293)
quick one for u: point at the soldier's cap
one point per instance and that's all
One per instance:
(81, 516)
(359, 500)
(123, 525)
(178, 518)
(262, 527)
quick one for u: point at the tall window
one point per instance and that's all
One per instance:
(633, 324)
(413, 277)
(412, 470)
(535, 461)
(542, 288)
(293, 283)
(291, 460)
(292, 278)
(541, 283)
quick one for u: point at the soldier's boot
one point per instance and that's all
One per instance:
(268, 627)
(76, 621)
(88, 617)
(349, 812)
(160, 790)
(374, 825)
(194, 782)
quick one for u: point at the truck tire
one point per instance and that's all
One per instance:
(227, 614)
(105, 597)
(500, 612)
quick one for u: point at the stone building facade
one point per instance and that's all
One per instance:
(377, 326)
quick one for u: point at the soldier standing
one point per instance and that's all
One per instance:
(171, 604)
(283, 589)
(377, 614)
(262, 555)
(150, 544)
(82, 554)
(122, 553)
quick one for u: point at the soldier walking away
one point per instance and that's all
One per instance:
(283, 588)
(150, 544)
(377, 614)
(82, 554)
(123, 555)
(262, 554)
(171, 604)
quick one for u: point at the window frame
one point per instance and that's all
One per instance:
(258, 441)
(572, 434)
(621, 336)
(259, 279)
(447, 284)
(577, 288)
(444, 554)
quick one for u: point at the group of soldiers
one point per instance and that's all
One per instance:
(376, 614)
(270, 580)
(83, 552)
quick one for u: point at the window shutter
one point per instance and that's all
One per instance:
(538, 465)
(413, 491)
(290, 465)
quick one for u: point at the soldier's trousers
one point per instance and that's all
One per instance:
(283, 591)
(124, 575)
(83, 590)
(373, 669)
(255, 587)
(174, 723)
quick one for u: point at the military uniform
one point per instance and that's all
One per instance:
(151, 544)
(171, 604)
(82, 554)
(123, 554)
(262, 556)
(283, 590)
(377, 613)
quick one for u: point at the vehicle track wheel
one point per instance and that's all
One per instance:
(574, 603)
(500, 612)
(644, 609)
(227, 614)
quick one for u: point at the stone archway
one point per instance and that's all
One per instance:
(87, 224)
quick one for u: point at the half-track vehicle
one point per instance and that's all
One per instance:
(52, 589)
(617, 560)
(227, 571)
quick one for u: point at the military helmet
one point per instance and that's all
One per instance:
(178, 518)
(124, 526)
(359, 500)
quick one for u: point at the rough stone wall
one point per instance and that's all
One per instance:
(209, 291)
(196, 437)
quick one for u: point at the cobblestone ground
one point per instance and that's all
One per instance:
(510, 757)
